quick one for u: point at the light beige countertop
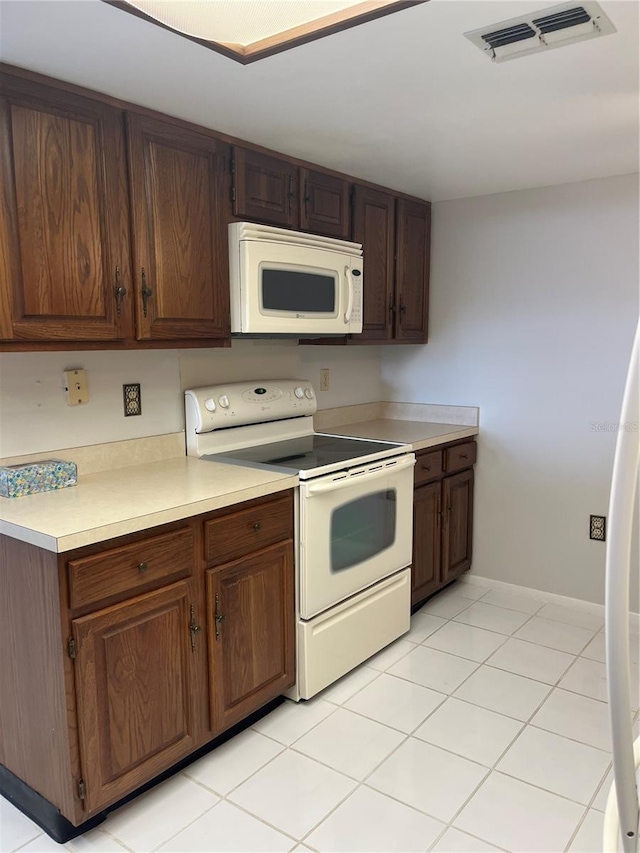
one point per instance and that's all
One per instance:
(419, 434)
(124, 487)
(125, 500)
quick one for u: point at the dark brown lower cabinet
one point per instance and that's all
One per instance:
(425, 577)
(442, 518)
(457, 524)
(250, 633)
(105, 685)
(134, 686)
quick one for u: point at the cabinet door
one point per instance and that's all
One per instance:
(180, 237)
(412, 271)
(251, 631)
(425, 572)
(136, 711)
(264, 188)
(324, 204)
(373, 226)
(64, 249)
(457, 529)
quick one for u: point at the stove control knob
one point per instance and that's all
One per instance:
(210, 404)
(308, 393)
(224, 401)
(299, 393)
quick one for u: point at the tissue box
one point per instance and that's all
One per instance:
(29, 478)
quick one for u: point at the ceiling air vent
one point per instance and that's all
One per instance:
(547, 28)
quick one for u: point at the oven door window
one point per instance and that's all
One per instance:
(362, 528)
(298, 291)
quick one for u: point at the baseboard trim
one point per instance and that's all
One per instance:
(547, 597)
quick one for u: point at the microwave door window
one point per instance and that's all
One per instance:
(298, 291)
(362, 529)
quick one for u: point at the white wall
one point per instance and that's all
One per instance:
(35, 417)
(534, 300)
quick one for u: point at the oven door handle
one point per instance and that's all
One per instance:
(347, 482)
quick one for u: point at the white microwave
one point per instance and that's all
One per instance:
(289, 283)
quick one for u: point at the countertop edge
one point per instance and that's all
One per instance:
(147, 521)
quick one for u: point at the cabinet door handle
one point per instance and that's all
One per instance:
(218, 617)
(392, 309)
(291, 193)
(306, 199)
(142, 568)
(120, 292)
(146, 291)
(194, 629)
(403, 309)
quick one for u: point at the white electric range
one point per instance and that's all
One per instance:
(354, 517)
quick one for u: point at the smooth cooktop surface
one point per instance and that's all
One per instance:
(310, 453)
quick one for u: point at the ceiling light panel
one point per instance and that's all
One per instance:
(238, 21)
(246, 30)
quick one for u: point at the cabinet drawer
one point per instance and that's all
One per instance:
(131, 568)
(459, 457)
(237, 534)
(428, 467)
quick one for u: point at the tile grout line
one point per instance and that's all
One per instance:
(361, 783)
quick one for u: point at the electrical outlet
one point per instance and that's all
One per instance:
(132, 399)
(598, 527)
(76, 386)
(324, 379)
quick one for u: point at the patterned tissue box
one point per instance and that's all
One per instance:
(16, 481)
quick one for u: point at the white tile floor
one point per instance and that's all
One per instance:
(484, 728)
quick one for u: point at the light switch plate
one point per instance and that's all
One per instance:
(76, 386)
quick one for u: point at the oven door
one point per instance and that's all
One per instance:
(356, 527)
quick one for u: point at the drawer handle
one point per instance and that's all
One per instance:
(463, 456)
(426, 467)
(142, 568)
(256, 527)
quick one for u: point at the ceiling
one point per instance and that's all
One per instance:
(405, 100)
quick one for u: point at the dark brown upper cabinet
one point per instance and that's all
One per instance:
(394, 233)
(374, 227)
(324, 204)
(264, 188)
(179, 233)
(275, 191)
(64, 244)
(413, 231)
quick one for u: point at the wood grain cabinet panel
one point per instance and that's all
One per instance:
(129, 569)
(425, 573)
(459, 457)
(428, 467)
(413, 222)
(374, 227)
(264, 188)
(442, 517)
(64, 250)
(251, 619)
(457, 499)
(134, 692)
(324, 204)
(232, 535)
(179, 235)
